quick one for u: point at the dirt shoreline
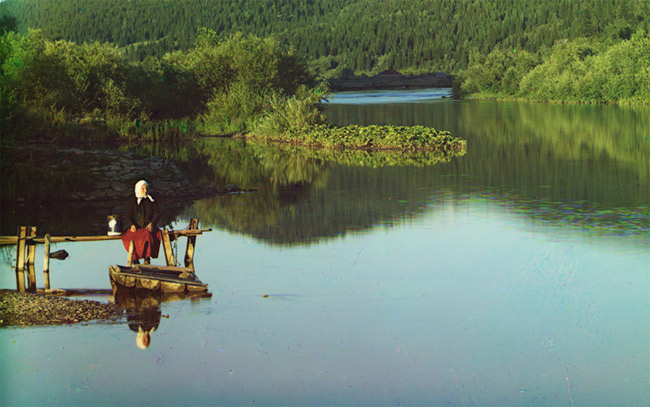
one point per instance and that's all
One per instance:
(37, 309)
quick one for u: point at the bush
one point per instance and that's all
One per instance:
(225, 85)
(292, 114)
(233, 111)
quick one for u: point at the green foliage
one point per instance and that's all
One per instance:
(366, 36)
(499, 71)
(63, 75)
(243, 75)
(490, 46)
(372, 159)
(168, 130)
(292, 114)
(226, 86)
(580, 71)
(414, 138)
(233, 111)
(8, 24)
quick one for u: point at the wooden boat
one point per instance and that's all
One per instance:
(164, 279)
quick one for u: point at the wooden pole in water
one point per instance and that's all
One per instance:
(167, 248)
(20, 259)
(191, 242)
(46, 262)
(129, 261)
(31, 254)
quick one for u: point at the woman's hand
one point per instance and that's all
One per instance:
(149, 227)
(133, 228)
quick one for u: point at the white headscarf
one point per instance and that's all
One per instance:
(138, 191)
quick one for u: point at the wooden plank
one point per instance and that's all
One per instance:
(46, 262)
(5, 240)
(20, 259)
(150, 267)
(191, 243)
(31, 254)
(31, 245)
(167, 248)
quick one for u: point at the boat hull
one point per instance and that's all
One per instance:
(156, 278)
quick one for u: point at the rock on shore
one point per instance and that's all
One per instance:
(30, 309)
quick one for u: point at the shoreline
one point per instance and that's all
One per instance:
(41, 309)
(505, 98)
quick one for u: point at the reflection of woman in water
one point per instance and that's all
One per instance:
(140, 221)
(142, 313)
(144, 321)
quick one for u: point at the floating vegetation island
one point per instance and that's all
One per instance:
(376, 138)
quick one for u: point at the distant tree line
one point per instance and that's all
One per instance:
(580, 50)
(364, 36)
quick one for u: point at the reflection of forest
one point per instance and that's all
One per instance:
(524, 130)
(302, 194)
(576, 166)
(569, 165)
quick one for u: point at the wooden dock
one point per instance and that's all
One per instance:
(10, 240)
(26, 241)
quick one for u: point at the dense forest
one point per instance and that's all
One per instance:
(144, 68)
(365, 36)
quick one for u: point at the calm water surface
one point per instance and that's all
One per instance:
(517, 274)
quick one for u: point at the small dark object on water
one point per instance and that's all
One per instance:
(59, 255)
(234, 189)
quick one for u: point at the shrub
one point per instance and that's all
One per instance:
(292, 114)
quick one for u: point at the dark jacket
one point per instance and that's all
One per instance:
(141, 215)
(147, 318)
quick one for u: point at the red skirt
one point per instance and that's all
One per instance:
(146, 244)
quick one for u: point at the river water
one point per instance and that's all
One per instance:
(517, 274)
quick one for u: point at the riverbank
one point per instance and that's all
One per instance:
(497, 97)
(35, 309)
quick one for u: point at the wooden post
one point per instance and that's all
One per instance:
(31, 254)
(20, 259)
(46, 262)
(129, 260)
(191, 242)
(167, 247)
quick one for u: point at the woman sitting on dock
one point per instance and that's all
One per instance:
(140, 222)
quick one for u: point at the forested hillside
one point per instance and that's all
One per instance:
(365, 36)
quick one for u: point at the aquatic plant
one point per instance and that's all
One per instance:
(376, 137)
